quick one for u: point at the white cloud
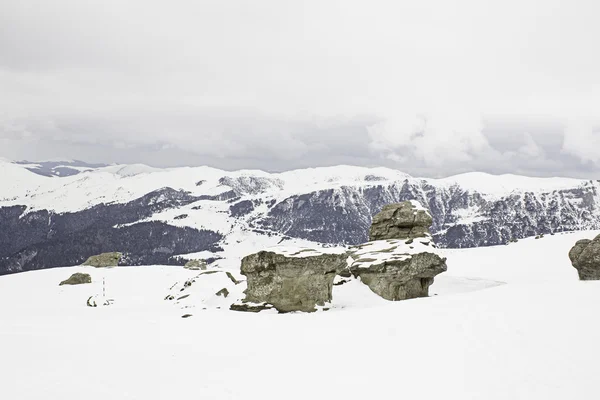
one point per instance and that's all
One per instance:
(435, 140)
(582, 139)
(278, 84)
(530, 148)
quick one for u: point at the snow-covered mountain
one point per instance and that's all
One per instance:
(155, 215)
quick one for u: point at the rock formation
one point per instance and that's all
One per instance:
(401, 260)
(104, 260)
(77, 278)
(405, 220)
(585, 257)
(397, 269)
(399, 263)
(289, 279)
(195, 265)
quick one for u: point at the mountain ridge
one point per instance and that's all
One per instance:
(323, 206)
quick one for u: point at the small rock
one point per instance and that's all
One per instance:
(585, 257)
(104, 260)
(77, 278)
(195, 265)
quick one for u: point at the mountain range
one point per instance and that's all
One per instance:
(59, 213)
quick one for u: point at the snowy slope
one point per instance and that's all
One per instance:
(505, 322)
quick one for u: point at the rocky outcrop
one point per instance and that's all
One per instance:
(104, 260)
(289, 279)
(397, 269)
(400, 263)
(401, 259)
(77, 278)
(585, 257)
(195, 265)
(405, 220)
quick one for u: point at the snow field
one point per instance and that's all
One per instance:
(506, 322)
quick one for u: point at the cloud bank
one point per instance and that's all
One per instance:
(431, 87)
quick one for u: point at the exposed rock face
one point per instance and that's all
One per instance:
(77, 278)
(585, 257)
(397, 269)
(290, 280)
(104, 260)
(405, 220)
(195, 265)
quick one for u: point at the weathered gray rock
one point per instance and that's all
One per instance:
(585, 257)
(195, 265)
(405, 220)
(292, 281)
(77, 278)
(395, 269)
(104, 260)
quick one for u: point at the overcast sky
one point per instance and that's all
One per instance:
(430, 87)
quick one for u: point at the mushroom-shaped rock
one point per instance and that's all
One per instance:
(104, 260)
(585, 257)
(397, 269)
(77, 278)
(291, 279)
(405, 220)
(195, 265)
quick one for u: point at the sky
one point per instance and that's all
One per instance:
(429, 87)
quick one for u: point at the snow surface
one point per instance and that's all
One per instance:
(499, 185)
(506, 322)
(375, 253)
(303, 252)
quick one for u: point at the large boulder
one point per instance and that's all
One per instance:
(397, 269)
(585, 257)
(405, 220)
(77, 278)
(104, 260)
(290, 279)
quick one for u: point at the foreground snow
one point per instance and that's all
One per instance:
(507, 322)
